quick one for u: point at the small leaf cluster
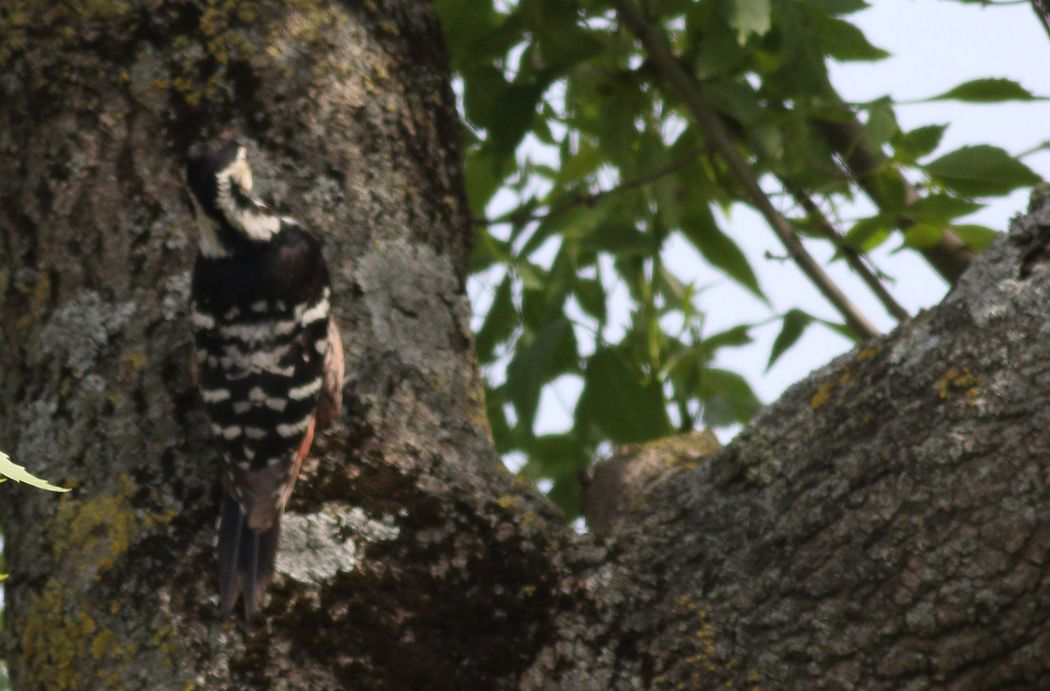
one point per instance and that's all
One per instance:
(569, 124)
(10, 469)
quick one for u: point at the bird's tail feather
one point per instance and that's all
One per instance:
(246, 558)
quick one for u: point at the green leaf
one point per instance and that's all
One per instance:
(991, 90)
(561, 458)
(468, 23)
(487, 250)
(17, 473)
(579, 165)
(719, 54)
(735, 336)
(942, 207)
(591, 296)
(882, 122)
(919, 142)
(839, 6)
(563, 42)
(697, 356)
(483, 86)
(624, 404)
(891, 188)
(976, 237)
(512, 115)
(700, 228)
(750, 17)
(552, 352)
(868, 233)
(502, 434)
(923, 235)
(843, 330)
(620, 239)
(677, 295)
(550, 453)
(982, 170)
(499, 322)
(736, 98)
(794, 324)
(842, 40)
(727, 397)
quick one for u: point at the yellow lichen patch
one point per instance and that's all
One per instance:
(507, 501)
(54, 638)
(163, 640)
(37, 294)
(703, 666)
(310, 21)
(62, 21)
(93, 533)
(686, 451)
(64, 644)
(823, 393)
(528, 519)
(956, 382)
(865, 354)
(137, 359)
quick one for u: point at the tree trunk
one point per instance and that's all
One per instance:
(880, 526)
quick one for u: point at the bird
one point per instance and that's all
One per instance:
(267, 358)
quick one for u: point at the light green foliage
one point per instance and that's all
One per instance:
(633, 171)
(15, 472)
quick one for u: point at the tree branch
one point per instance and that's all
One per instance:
(852, 256)
(692, 95)
(519, 216)
(1043, 12)
(950, 257)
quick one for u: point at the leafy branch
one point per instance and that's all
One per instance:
(743, 97)
(851, 255)
(523, 214)
(708, 119)
(950, 256)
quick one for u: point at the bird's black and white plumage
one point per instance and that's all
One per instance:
(268, 358)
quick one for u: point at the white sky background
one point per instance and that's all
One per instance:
(935, 45)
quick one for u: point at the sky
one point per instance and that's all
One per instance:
(935, 45)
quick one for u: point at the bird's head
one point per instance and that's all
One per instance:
(218, 173)
(220, 181)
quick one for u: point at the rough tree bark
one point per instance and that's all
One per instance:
(880, 526)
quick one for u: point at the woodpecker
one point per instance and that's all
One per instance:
(268, 358)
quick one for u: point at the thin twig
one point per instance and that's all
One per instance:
(1043, 12)
(719, 137)
(1038, 148)
(853, 258)
(950, 256)
(519, 216)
